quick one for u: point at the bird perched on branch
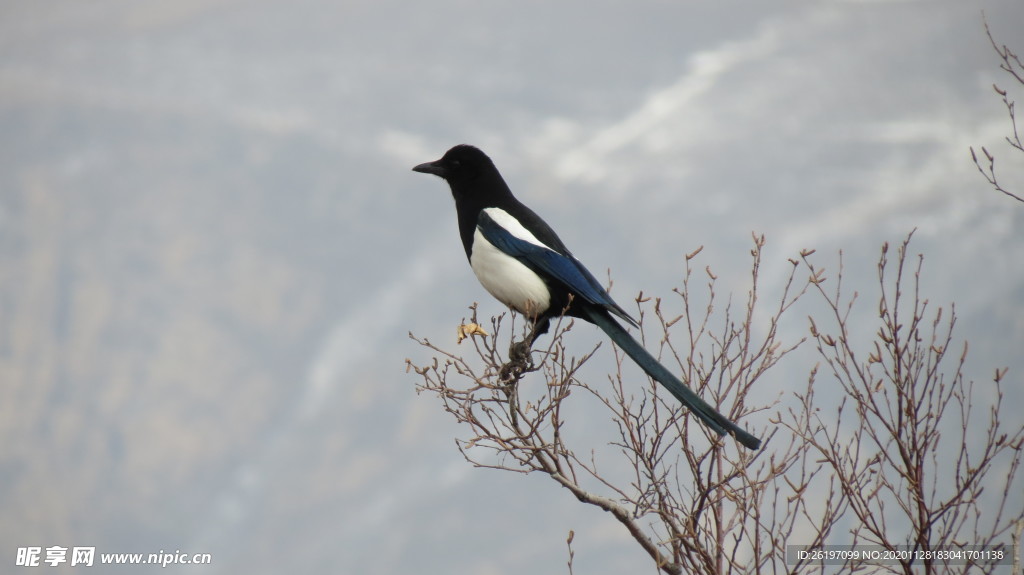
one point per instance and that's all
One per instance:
(521, 261)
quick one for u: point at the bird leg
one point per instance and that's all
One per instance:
(519, 351)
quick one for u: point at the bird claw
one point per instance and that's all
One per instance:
(519, 352)
(519, 362)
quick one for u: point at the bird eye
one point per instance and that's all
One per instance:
(456, 164)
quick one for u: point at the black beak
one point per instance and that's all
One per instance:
(431, 168)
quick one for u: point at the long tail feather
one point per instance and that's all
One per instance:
(709, 415)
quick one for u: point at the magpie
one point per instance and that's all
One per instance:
(522, 262)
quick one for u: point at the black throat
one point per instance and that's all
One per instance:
(473, 196)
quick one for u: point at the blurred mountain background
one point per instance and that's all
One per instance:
(212, 247)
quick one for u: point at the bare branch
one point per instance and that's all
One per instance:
(1010, 63)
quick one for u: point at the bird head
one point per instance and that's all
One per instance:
(460, 164)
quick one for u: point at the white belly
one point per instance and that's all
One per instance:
(509, 281)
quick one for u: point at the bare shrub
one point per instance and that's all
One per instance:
(901, 452)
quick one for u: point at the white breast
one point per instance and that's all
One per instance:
(509, 281)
